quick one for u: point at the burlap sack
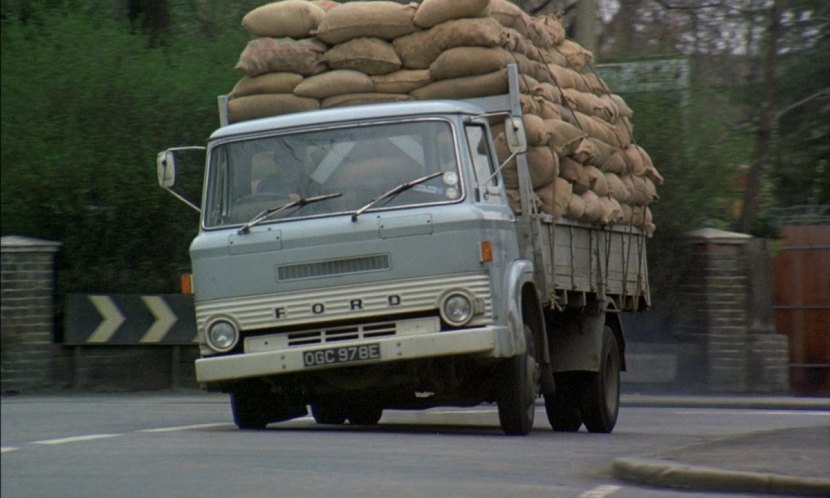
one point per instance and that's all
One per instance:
(624, 131)
(266, 83)
(368, 55)
(419, 49)
(484, 85)
(333, 83)
(594, 152)
(531, 104)
(626, 216)
(260, 106)
(622, 108)
(593, 208)
(514, 199)
(590, 104)
(554, 27)
(273, 55)
(565, 137)
(575, 173)
(459, 62)
(537, 70)
(403, 81)
(616, 187)
(555, 197)
(432, 12)
(510, 15)
(362, 98)
(586, 152)
(326, 5)
(566, 78)
(593, 83)
(641, 217)
(598, 128)
(548, 91)
(539, 34)
(634, 160)
(611, 211)
(637, 189)
(536, 130)
(379, 19)
(543, 165)
(577, 56)
(548, 109)
(651, 189)
(576, 207)
(596, 179)
(285, 19)
(615, 162)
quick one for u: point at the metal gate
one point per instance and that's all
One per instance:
(801, 301)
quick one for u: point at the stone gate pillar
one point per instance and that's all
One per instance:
(727, 293)
(27, 308)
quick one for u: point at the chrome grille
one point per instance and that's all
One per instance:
(343, 333)
(334, 267)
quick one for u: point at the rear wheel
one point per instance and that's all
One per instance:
(600, 391)
(562, 406)
(519, 385)
(365, 415)
(325, 413)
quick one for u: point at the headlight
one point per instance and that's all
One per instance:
(222, 336)
(457, 309)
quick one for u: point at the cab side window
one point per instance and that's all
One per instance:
(480, 154)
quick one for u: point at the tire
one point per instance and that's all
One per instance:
(249, 412)
(365, 415)
(562, 406)
(600, 391)
(328, 414)
(519, 385)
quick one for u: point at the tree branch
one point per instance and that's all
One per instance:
(668, 6)
(825, 92)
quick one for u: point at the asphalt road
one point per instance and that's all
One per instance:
(174, 444)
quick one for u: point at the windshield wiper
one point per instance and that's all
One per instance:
(302, 201)
(395, 191)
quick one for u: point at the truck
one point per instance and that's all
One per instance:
(364, 258)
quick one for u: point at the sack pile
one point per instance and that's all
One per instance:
(584, 164)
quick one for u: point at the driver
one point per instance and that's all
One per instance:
(284, 180)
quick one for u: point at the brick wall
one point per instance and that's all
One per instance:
(27, 311)
(727, 294)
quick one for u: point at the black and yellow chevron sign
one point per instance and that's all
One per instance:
(129, 319)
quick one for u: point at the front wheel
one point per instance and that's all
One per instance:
(600, 391)
(519, 385)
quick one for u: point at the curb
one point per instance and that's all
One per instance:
(664, 473)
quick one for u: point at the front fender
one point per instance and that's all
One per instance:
(518, 273)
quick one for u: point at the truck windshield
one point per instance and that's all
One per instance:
(247, 177)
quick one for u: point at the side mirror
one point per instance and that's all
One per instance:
(166, 168)
(514, 134)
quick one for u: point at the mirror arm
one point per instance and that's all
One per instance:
(183, 199)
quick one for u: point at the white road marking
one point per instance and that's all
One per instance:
(601, 491)
(76, 439)
(186, 427)
(7, 449)
(743, 412)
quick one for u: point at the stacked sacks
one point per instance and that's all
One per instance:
(584, 164)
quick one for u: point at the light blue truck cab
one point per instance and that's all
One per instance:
(367, 258)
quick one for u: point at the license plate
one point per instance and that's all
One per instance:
(342, 354)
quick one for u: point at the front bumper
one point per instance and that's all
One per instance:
(478, 341)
